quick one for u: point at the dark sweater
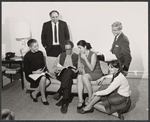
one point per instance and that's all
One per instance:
(33, 62)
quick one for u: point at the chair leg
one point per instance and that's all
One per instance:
(2, 80)
(11, 77)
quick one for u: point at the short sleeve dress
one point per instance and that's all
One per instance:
(97, 72)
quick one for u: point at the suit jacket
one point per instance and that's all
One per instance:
(122, 51)
(47, 35)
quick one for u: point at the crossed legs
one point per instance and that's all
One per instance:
(98, 105)
(66, 79)
(84, 80)
(44, 82)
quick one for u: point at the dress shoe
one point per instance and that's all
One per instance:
(60, 102)
(80, 107)
(34, 99)
(45, 103)
(81, 111)
(56, 96)
(120, 116)
(64, 108)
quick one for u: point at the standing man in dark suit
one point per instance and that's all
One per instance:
(65, 75)
(54, 34)
(120, 47)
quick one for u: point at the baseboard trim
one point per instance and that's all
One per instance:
(137, 74)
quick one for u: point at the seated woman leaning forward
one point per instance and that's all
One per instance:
(114, 100)
(34, 63)
(89, 70)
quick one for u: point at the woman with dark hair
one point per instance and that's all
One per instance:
(89, 70)
(114, 100)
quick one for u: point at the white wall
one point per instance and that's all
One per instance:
(90, 21)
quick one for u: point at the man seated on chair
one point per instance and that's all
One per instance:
(65, 75)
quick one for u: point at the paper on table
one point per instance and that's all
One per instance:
(16, 58)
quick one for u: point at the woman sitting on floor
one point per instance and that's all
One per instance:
(114, 100)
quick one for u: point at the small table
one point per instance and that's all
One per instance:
(20, 62)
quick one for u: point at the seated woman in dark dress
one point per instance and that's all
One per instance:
(114, 100)
(89, 70)
(34, 63)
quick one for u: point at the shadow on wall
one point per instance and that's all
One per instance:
(71, 37)
(6, 35)
(136, 66)
(135, 92)
(137, 70)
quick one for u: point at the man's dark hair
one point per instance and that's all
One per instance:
(53, 12)
(68, 42)
(31, 41)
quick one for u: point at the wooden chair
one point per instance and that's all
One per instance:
(10, 72)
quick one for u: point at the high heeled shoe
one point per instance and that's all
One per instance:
(120, 116)
(45, 103)
(82, 111)
(80, 107)
(34, 99)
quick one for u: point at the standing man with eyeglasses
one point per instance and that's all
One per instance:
(65, 75)
(54, 34)
(121, 47)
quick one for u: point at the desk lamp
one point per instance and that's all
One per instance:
(22, 33)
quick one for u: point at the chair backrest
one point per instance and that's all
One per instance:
(101, 57)
(104, 67)
(50, 62)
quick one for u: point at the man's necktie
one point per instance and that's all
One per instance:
(55, 32)
(113, 45)
(115, 38)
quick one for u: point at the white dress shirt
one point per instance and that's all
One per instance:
(117, 36)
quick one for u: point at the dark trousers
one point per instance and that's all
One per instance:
(54, 51)
(66, 78)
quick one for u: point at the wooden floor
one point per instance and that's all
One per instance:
(18, 101)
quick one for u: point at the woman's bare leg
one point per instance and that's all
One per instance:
(99, 106)
(92, 103)
(87, 83)
(37, 90)
(42, 85)
(80, 88)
